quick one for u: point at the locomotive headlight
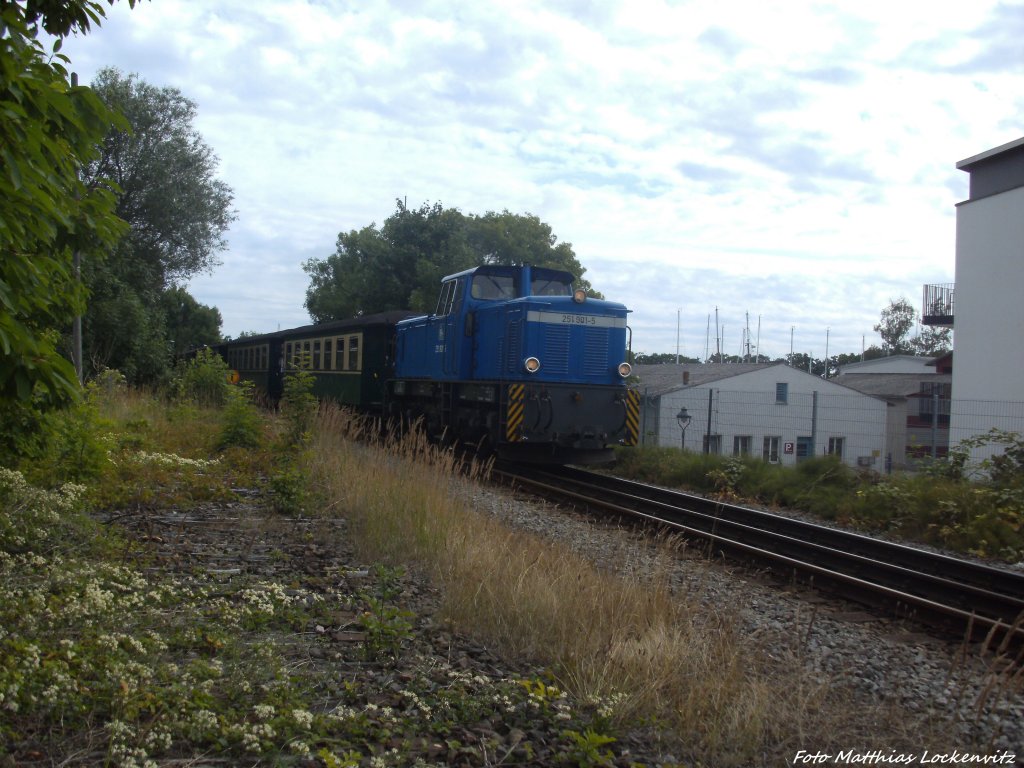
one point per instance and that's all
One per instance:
(579, 295)
(625, 369)
(531, 365)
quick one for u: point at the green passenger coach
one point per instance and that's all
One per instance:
(350, 359)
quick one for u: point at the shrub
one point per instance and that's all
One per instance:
(299, 406)
(939, 506)
(203, 380)
(242, 424)
(71, 444)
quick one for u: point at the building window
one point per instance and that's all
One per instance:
(741, 445)
(835, 446)
(770, 451)
(782, 392)
(713, 444)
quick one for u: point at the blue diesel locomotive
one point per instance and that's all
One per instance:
(513, 360)
(516, 360)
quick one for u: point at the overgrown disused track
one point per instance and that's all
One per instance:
(972, 600)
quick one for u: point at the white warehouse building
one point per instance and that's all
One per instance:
(766, 410)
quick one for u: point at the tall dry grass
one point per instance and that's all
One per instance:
(684, 668)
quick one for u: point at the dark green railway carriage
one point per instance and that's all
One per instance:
(350, 359)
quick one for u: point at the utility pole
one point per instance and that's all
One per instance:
(76, 326)
(827, 331)
(678, 320)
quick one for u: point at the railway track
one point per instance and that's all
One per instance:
(968, 599)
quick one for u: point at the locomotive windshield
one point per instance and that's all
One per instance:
(491, 286)
(552, 284)
(500, 283)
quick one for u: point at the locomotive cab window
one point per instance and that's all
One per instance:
(549, 284)
(489, 286)
(450, 298)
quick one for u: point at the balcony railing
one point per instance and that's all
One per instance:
(938, 305)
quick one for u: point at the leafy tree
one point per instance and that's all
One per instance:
(400, 265)
(508, 238)
(123, 327)
(661, 358)
(189, 324)
(804, 362)
(177, 211)
(344, 284)
(932, 342)
(50, 130)
(849, 358)
(427, 245)
(897, 321)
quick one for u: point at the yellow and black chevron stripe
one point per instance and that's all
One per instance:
(515, 412)
(632, 417)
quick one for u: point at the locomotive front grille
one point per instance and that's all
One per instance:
(511, 351)
(595, 344)
(556, 349)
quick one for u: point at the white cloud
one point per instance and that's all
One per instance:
(795, 161)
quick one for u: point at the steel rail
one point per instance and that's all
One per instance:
(915, 559)
(978, 601)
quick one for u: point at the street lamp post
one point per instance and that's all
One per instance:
(683, 418)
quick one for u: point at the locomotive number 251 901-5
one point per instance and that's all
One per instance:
(579, 319)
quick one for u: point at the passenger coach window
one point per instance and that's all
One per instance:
(339, 359)
(328, 357)
(353, 353)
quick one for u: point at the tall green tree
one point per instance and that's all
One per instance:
(177, 211)
(510, 238)
(49, 132)
(932, 342)
(400, 264)
(189, 323)
(897, 322)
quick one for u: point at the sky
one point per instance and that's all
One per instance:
(784, 167)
